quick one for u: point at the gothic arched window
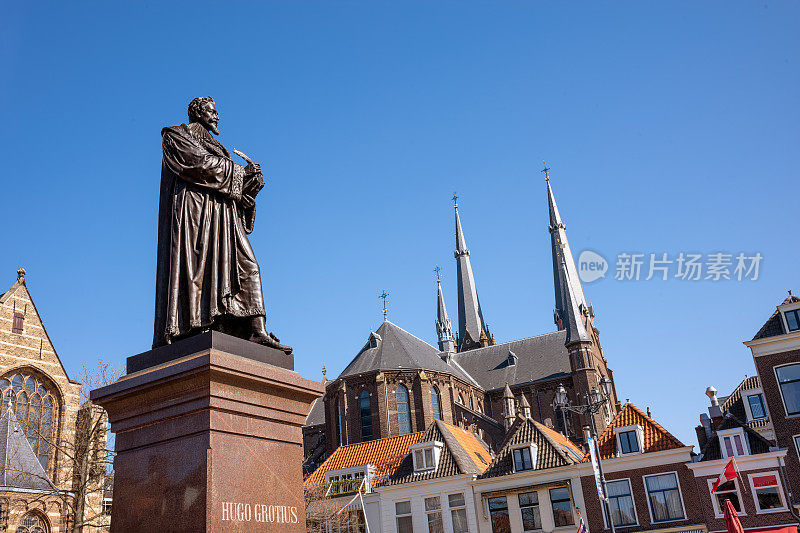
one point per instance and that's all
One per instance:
(366, 415)
(436, 403)
(33, 401)
(339, 421)
(403, 411)
(32, 523)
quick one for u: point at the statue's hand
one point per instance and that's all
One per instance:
(252, 169)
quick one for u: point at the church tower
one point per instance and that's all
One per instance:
(444, 330)
(472, 331)
(573, 314)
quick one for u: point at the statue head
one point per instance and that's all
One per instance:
(204, 110)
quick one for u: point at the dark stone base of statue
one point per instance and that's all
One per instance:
(208, 438)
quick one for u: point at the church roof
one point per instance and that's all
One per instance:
(19, 466)
(540, 357)
(393, 348)
(316, 415)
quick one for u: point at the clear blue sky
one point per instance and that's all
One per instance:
(669, 127)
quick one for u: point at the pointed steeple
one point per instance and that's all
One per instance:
(444, 330)
(471, 328)
(571, 306)
(509, 407)
(524, 407)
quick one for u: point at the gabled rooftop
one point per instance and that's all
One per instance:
(756, 442)
(384, 454)
(774, 325)
(393, 348)
(656, 438)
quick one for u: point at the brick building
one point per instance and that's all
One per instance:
(399, 384)
(40, 408)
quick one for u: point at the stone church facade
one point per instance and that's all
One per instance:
(40, 408)
(399, 384)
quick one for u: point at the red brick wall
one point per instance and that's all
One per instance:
(785, 428)
(688, 488)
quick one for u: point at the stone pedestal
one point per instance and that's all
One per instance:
(208, 438)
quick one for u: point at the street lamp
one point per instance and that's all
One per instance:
(595, 400)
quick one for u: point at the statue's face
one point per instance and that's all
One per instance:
(209, 117)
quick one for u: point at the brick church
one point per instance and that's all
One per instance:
(399, 384)
(40, 413)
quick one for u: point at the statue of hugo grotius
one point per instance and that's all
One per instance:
(207, 276)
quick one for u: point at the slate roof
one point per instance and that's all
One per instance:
(462, 453)
(394, 348)
(774, 325)
(540, 357)
(384, 454)
(656, 438)
(553, 450)
(712, 451)
(19, 466)
(316, 415)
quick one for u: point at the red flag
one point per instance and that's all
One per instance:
(732, 519)
(728, 474)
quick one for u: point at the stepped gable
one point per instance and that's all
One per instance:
(538, 358)
(462, 453)
(656, 438)
(393, 348)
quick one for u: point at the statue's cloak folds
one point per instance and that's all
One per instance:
(205, 268)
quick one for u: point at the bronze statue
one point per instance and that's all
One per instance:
(207, 276)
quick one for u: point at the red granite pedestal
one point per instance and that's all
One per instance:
(208, 438)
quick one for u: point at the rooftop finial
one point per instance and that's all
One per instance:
(546, 171)
(21, 275)
(437, 269)
(384, 295)
(324, 373)
(455, 199)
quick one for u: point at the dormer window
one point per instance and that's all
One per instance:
(511, 358)
(793, 319)
(524, 457)
(756, 404)
(426, 455)
(630, 440)
(349, 480)
(732, 442)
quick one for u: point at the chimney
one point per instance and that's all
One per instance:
(714, 411)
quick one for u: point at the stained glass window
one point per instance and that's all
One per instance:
(403, 411)
(33, 402)
(436, 404)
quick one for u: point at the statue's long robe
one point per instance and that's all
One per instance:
(206, 268)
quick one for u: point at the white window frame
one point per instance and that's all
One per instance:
(780, 391)
(783, 309)
(436, 451)
(639, 432)
(680, 494)
(720, 513)
(410, 513)
(780, 492)
(366, 472)
(446, 497)
(746, 400)
(607, 519)
(533, 449)
(721, 434)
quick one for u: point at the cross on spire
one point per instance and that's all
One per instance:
(546, 171)
(437, 269)
(384, 295)
(455, 199)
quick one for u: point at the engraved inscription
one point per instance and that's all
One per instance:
(259, 512)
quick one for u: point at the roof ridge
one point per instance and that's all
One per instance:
(495, 346)
(556, 445)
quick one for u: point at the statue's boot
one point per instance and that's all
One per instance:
(260, 335)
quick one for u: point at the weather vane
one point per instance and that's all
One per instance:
(437, 269)
(384, 295)
(546, 171)
(455, 198)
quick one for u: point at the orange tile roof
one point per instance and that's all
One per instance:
(571, 448)
(475, 449)
(385, 454)
(656, 438)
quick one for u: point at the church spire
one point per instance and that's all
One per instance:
(444, 330)
(571, 306)
(471, 328)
